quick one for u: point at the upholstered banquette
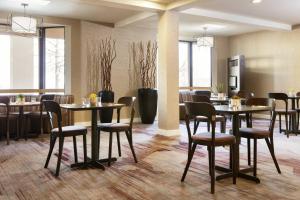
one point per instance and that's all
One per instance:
(33, 126)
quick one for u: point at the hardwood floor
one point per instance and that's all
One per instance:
(156, 176)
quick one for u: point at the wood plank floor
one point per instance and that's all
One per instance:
(156, 176)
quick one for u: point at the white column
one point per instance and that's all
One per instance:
(168, 72)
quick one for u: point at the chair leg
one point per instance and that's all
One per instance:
(286, 126)
(297, 125)
(25, 130)
(129, 137)
(255, 158)
(84, 149)
(208, 127)
(196, 125)
(209, 159)
(110, 148)
(60, 150)
(7, 132)
(119, 145)
(52, 144)
(249, 151)
(234, 167)
(212, 177)
(272, 152)
(190, 157)
(223, 126)
(75, 149)
(280, 129)
(41, 125)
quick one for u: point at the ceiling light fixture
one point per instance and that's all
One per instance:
(37, 2)
(204, 40)
(24, 25)
(256, 1)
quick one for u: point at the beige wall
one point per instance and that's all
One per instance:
(272, 60)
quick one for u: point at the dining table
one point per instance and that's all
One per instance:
(94, 160)
(234, 112)
(20, 106)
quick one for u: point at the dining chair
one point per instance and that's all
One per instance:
(54, 111)
(120, 127)
(41, 114)
(256, 134)
(198, 119)
(245, 94)
(7, 117)
(288, 113)
(209, 139)
(298, 109)
(206, 93)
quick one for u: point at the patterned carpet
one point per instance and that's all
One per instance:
(156, 176)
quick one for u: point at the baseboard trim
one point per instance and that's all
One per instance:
(169, 133)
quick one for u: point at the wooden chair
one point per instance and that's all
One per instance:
(298, 110)
(245, 94)
(120, 127)
(288, 113)
(211, 140)
(41, 114)
(206, 93)
(60, 132)
(7, 117)
(256, 134)
(198, 119)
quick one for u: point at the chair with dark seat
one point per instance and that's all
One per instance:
(53, 110)
(288, 113)
(120, 127)
(256, 134)
(245, 94)
(41, 114)
(7, 117)
(206, 93)
(198, 119)
(211, 140)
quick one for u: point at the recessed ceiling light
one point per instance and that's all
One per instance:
(212, 26)
(37, 2)
(256, 1)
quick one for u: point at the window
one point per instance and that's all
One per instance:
(33, 62)
(18, 62)
(54, 58)
(194, 65)
(184, 71)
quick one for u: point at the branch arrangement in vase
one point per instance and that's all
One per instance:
(144, 57)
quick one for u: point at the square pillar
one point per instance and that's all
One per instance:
(168, 71)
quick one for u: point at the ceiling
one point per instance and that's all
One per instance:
(285, 11)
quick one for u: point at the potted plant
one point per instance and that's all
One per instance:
(107, 54)
(220, 89)
(93, 99)
(143, 57)
(20, 98)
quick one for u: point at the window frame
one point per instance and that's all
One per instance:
(190, 62)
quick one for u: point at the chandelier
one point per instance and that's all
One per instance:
(24, 25)
(204, 40)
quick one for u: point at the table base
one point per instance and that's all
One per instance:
(241, 174)
(94, 164)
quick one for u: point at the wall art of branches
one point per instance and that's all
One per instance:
(101, 55)
(143, 58)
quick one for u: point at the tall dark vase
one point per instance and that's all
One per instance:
(147, 104)
(106, 114)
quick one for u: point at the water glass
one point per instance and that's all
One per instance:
(85, 101)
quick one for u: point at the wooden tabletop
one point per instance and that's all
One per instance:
(78, 107)
(242, 109)
(15, 104)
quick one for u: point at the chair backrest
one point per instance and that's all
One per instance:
(5, 100)
(128, 102)
(203, 93)
(45, 97)
(265, 102)
(298, 95)
(245, 95)
(200, 98)
(194, 109)
(52, 108)
(280, 97)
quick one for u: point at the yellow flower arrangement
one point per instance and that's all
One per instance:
(93, 99)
